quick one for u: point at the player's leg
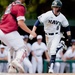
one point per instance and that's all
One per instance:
(15, 41)
(28, 64)
(5, 67)
(67, 69)
(57, 67)
(34, 64)
(62, 67)
(40, 65)
(54, 44)
(73, 66)
(1, 67)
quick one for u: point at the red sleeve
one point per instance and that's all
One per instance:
(21, 11)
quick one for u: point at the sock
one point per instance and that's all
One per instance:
(52, 61)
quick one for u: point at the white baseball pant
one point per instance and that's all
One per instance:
(61, 67)
(37, 66)
(27, 65)
(57, 67)
(14, 40)
(3, 67)
(52, 42)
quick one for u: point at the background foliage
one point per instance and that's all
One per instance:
(38, 7)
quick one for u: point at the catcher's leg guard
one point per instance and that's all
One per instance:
(20, 55)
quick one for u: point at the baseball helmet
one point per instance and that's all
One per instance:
(56, 3)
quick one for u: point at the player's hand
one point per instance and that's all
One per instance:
(64, 59)
(31, 37)
(48, 60)
(33, 34)
(36, 59)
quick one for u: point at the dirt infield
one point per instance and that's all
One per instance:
(39, 74)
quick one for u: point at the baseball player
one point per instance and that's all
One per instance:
(3, 56)
(38, 48)
(26, 62)
(52, 21)
(12, 18)
(61, 49)
(69, 55)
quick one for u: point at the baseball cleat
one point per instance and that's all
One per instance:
(18, 66)
(50, 70)
(12, 69)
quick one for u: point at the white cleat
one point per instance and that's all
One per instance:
(50, 70)
(12, 69)
(18, 66)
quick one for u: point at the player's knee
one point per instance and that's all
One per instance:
(30, 66)
(57, 64)
(53, 52)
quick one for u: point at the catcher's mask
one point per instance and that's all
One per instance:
(27, 2)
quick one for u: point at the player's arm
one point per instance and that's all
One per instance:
(23, 26)
(34, 56)
(47, 56)
(5, 58)
(68, 32)
(65, 24)
(34, 29)
(36, 25)
(20, 20)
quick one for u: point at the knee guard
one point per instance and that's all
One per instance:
(21, 53)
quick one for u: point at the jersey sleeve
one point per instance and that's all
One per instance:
(42, 18)
(32, 47)
(45, 47)
(29, 45)
(67, 54)
(65, 22)
(20, 13)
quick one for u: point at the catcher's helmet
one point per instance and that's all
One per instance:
(56, 3)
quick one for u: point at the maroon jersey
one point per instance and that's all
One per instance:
(13, 13)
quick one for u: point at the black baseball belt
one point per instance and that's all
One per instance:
(51, 33)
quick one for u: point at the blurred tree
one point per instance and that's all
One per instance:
(3, 5)
(38, 7)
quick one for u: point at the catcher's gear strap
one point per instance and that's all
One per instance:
(37, 23)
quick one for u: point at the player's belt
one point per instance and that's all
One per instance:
(51, 33)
